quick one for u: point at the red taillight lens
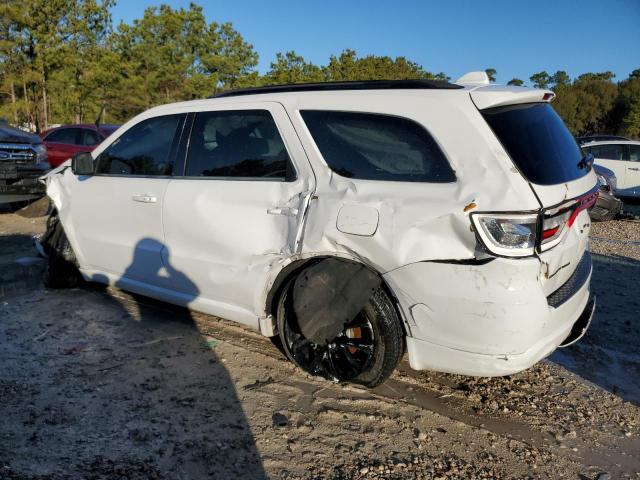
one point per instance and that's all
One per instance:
(582, 204)
(556, 221)
(554, 226)
(550, 233)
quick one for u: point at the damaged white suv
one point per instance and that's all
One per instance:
(353, 220)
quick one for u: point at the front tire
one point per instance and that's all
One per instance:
(366, 352)
(62, 270)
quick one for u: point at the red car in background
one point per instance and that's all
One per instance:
(64, 142)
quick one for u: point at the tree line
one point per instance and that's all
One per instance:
(64, 61)
(593, 102)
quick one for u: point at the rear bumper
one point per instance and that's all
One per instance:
(487, 320)
(424, 355)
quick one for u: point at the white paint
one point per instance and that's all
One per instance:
(626, 169)
(218, 245)
(499, 95)
(358, 220)
(474, 78)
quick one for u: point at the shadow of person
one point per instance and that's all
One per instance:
(164, 400)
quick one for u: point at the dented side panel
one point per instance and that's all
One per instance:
(490, 319)
(232, 236)
(416, 221)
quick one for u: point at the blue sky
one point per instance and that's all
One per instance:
(516, 38)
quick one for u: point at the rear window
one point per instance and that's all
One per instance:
(377, 147)
(538, 142)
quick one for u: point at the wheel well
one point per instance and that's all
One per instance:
(293, 269)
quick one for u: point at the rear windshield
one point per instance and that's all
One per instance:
(538, 142)
(377, 147)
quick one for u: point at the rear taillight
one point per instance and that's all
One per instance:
(553, 228)
(506, 234)
(556, 221)
(519, 234)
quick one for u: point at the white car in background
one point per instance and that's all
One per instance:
(355, 220)
(623, 158)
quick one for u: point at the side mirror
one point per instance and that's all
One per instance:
(82, 164)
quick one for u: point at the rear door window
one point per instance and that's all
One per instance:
(237, 144)
(377, 147)
(63, 135)
(634, 153)
(538, 142)
(145, 149)
(89, 138)
(609, 152)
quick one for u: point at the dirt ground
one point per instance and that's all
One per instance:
(99, 384)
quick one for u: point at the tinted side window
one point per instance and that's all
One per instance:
(63, 135)
(377, 147)
(242, 143)
(634, 153)
(608, 152)
(89, 137)
(144, 149)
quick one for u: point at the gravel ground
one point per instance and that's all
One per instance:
(617, 238)
(99, 384)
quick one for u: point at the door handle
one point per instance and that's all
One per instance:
(287, 211)
(633, 168)
(144, 198)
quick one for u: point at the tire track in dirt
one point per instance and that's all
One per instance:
(407, 386)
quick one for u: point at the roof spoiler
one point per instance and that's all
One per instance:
(473, 78)
(502, 95)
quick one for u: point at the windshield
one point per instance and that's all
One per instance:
(538, 142)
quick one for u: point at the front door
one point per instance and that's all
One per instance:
(117, 213)
(238, 208)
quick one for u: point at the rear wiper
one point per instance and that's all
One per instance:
(586, 161)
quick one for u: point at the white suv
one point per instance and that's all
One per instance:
(353, 220)
(623, 158)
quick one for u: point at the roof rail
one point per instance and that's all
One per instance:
(335, 86)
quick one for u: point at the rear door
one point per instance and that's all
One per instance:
(237, 209)
(117, 212)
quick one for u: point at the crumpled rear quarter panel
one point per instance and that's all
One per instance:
(417, 221)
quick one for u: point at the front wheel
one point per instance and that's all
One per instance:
(366, 351)
(62, 270)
